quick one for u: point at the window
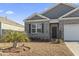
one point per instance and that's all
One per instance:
(33, 28)
(39, 28)
(36, 28)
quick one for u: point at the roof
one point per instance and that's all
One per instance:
(56, 4)
(36, 16)
(10, 22)
(53, 12)
(58, 10)
(73, 13)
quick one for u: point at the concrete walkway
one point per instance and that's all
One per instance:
(74, 47)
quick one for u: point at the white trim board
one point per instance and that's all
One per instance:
(53, 20)
(39, 20)
(69, 18)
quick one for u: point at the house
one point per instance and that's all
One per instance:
(59, 22)
(9, 25)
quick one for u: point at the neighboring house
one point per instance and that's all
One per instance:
(59, 22)
(9, 25)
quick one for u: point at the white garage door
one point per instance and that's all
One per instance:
(71, 32)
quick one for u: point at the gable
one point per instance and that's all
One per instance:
(73, 14)
(35, 17)
(58, 11)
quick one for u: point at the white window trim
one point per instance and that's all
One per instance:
(39, 28)
(35, 28)
(36, 24)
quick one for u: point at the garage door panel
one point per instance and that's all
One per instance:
(71, 32)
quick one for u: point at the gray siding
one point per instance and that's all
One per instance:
(61, 30)
(70, 21)
(45, 35)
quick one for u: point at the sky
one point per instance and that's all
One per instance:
(20, 11)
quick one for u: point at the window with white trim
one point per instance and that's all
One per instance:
(33, 28)
(39, 28)
(36, 28)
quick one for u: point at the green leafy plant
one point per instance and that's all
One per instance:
(58, 41)
(15, 36)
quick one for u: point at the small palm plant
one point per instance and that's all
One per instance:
(15, 37)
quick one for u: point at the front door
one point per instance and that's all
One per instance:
(54, 32)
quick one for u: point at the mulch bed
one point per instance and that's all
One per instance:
(38, 49)
(16, 50)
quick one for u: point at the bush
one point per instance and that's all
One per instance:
(15, 36)
(57, 41)
(61, 41)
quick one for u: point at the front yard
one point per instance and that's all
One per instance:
(39, 49)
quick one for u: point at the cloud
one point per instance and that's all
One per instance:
(9, 12)
(1, 11)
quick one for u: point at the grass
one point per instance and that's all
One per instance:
(40, 49)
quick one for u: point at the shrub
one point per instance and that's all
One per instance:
(57, 41)
(15, 36)
(61, 41)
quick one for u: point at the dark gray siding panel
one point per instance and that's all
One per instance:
(44, 35)
(61, 30)
(70, 21)
(42, 28)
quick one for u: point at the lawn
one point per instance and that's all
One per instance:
(39, 49)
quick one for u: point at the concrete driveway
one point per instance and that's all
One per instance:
(74, 47)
